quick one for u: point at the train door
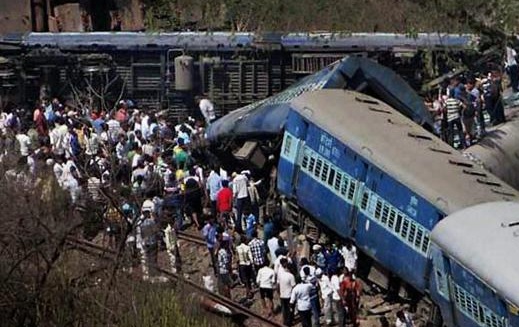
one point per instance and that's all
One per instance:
(293, 143)
(355, 192)
(440, 285)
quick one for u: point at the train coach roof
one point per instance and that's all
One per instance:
(484, 239)
(401, 148)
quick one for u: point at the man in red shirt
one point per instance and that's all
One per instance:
(350, 291)
(224, 199)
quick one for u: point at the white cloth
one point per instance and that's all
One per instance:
(301, 296)
(510, 57)
(59, 139)
(266, 278)
(277, 263)
(244, 255)
(408, 322)
(326, 286)
(239, 187)
(302, 273)
(350, 257)
(25, 144)
(272, 244)
(207, 110)
(92, 144)
(286, 282)
(336, 286)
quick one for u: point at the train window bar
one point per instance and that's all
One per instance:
(440, 150)
(488, 182)
(418, 136)
(473, 172)
(501, 192)
(380, 110)
(460, 163)
(368, 101)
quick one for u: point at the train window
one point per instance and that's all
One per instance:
(324, 172)
(331, 176)
(304, 163)
(351, 190)
(425, 243)
(473, 308)
(398, 223)
(385, 214)
(338, 180)
(365, 200)
(418, 238)
(288, 145)
(318, 167)
(405, 227)
(344, 185)
(412, 232)
(391, 220)
(378, 209)
(311, 165)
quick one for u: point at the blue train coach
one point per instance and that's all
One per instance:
(366, 172)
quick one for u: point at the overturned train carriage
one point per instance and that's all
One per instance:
(363, 170)
(232, 69)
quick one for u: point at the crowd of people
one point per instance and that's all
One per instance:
(148, 181)
(462, 104)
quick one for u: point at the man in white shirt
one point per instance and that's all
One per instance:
(241, 194)
(300, 297)
(335, 280)
(244, 255)
(286, 281)
(207, 110)
(59, 137)
(272, 244)
(266, 279)
(24, 141)
(325, 286)
(349, 254)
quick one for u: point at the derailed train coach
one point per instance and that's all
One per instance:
(231, 69)
(411, 203)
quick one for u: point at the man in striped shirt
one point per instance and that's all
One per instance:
(453, 108)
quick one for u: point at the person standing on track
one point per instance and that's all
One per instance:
(224, 269)
(350, 291)
(266, 279)
(300, 298)
(286, 281)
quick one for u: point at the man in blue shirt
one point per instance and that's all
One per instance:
(268, 228)
(250, 222)
(209, 232)
(214, 184)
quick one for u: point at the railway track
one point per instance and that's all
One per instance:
(237, 309)
(190, 237)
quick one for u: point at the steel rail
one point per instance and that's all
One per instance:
(90, 248)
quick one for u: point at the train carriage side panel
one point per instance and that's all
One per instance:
(394, 226)
(475, 303)
(295, 133)
(325, 189)
(439, 289)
